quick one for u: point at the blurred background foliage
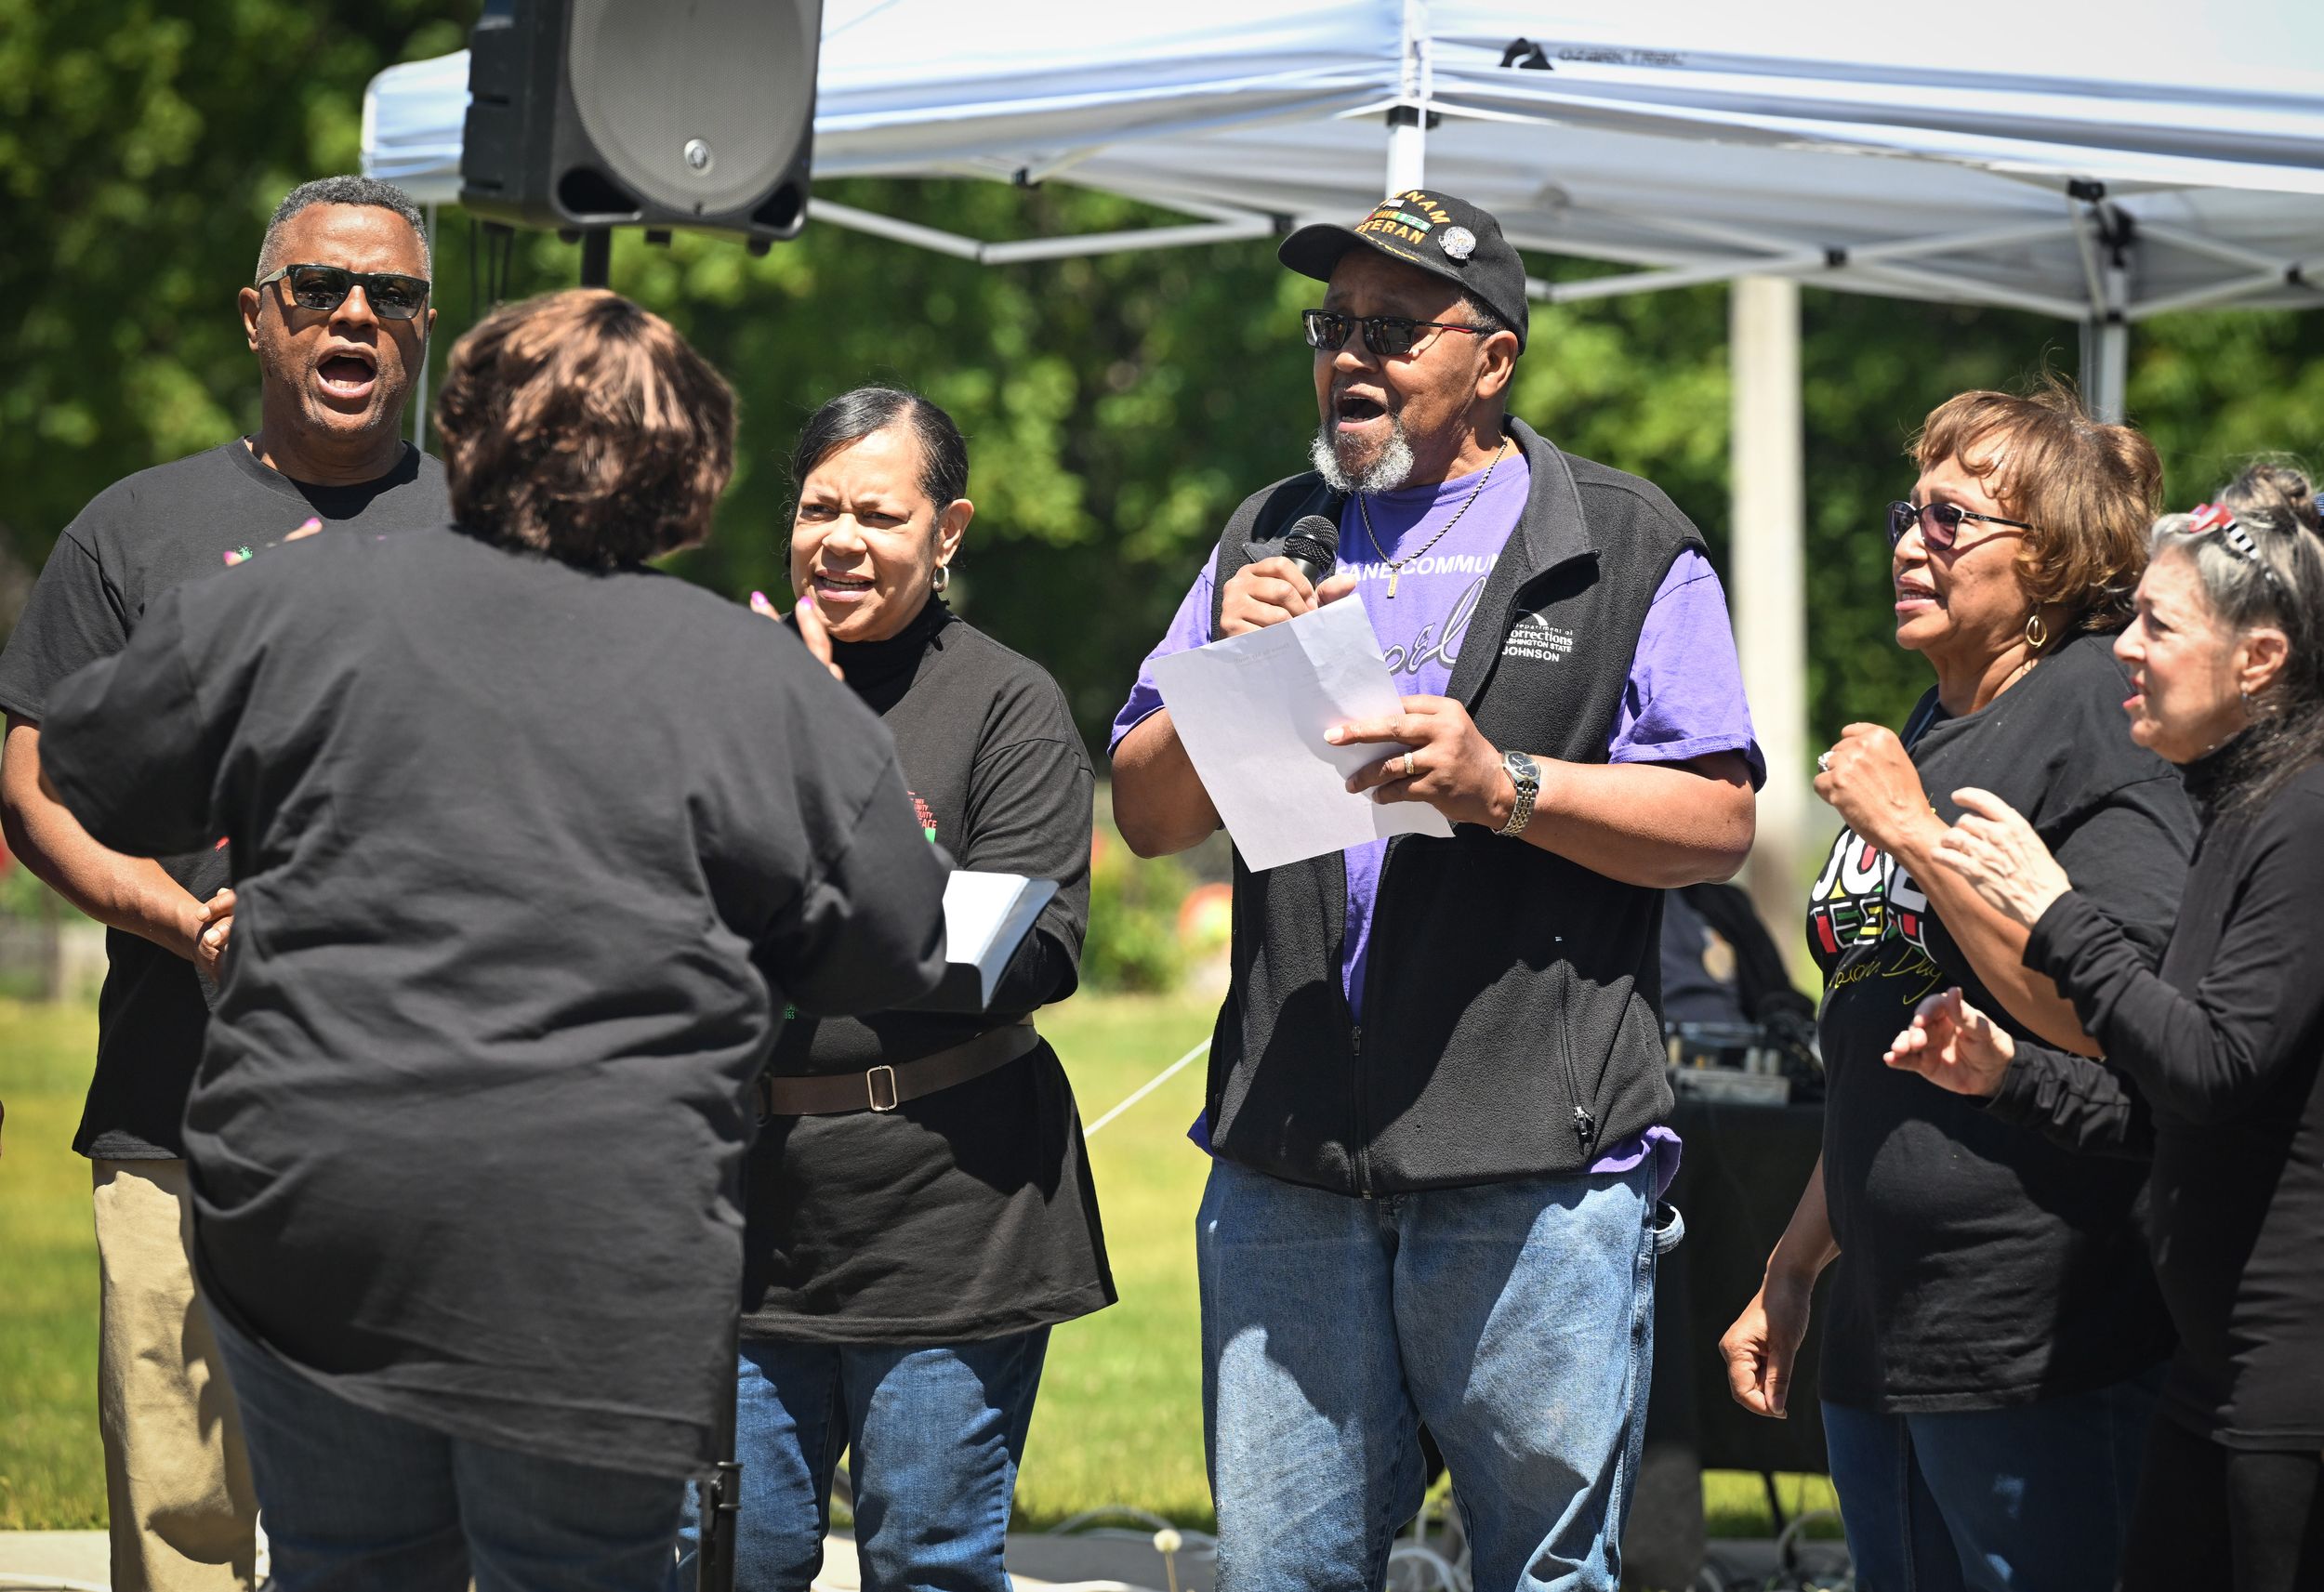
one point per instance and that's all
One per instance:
(1117, 407)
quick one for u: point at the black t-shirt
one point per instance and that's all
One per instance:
(968, 1212)
(2225, 1041)
(1981, 1265)
(137, 539)
(530, 860)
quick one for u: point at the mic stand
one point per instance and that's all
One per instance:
(723, 1489)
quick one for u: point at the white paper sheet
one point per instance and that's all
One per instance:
(1252, 712)
(985, 916)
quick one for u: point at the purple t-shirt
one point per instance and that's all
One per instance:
(1684, 698)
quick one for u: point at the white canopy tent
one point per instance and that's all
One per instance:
(2098, 166)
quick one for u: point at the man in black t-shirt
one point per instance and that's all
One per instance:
(339, 318)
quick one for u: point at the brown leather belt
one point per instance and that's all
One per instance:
(885, 1087)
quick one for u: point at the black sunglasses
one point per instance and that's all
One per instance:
(393, 296)
(1387, 336)
(1939, 522)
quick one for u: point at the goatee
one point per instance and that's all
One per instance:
(1388, 469)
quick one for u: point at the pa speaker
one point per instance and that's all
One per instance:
(597, 113)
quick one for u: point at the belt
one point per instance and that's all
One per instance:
(886, 1086)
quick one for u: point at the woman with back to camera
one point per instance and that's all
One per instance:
(532, 846)
(905, 1265)
(1993, 1328)
(2211, 1063)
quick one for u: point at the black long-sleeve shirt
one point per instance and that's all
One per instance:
(2220, 1050)
(968, 1212)
(530, 860)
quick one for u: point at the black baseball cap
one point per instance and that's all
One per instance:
(1433, 232)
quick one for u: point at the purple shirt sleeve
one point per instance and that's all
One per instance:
(1684, 698)
(1190, 627)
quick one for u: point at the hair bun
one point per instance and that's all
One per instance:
(2277, 493)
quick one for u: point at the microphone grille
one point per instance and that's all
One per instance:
(1319, 529)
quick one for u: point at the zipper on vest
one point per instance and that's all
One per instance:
(1363, 1130)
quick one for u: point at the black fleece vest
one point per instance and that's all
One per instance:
(1513, 1024)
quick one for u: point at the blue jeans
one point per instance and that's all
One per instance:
(357, 1500)
(2034, 1498)
(1516, 1320)
(934, 1439)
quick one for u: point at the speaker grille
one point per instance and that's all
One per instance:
(725, 82)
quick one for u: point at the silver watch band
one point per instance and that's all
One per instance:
(1525, 778)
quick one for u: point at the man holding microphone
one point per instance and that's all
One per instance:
(1437, 1085)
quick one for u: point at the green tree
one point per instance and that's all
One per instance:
(1117, 407)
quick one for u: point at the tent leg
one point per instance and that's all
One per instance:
(1407, 149)
(2106, 366)
(1768, 566)
(419, 384)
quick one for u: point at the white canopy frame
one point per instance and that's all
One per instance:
(2095, 173)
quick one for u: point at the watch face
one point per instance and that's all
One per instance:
(1521, 768)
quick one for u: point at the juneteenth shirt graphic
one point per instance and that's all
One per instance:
(1867, 920)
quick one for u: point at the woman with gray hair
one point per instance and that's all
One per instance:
(2211, 1063)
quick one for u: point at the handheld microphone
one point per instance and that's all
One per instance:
(1314, 546)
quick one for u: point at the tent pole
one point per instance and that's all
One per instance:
(2106, 366)
(1407, 123)
(419, 386)
(1768, 562)
(2106, 330)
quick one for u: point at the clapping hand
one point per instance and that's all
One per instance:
(1998, 854)
(1953, 1046)
(810, 625)
(1869, 780)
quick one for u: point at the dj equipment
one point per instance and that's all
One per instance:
(587, 115)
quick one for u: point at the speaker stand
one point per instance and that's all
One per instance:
(597, 257)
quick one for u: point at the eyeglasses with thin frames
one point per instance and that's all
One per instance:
(1940, 523)
(1390, 337)
(391, 294)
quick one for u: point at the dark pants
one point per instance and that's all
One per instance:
(2214, 1517)
(2033, 1498)
(934, 1438)
(357, 1500)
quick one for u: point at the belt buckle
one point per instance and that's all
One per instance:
(872, 1088)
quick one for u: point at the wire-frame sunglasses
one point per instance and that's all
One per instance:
(1390, 337)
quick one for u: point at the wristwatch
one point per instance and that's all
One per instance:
(1526, 774)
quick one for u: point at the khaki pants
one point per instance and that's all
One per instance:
(178, 1483)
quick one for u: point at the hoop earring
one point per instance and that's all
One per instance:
(2037, 633)
(940, 579)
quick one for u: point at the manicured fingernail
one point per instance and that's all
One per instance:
(807, 599)
(1335, 735)
(233, 559)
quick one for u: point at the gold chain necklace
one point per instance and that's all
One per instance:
(1395, 566)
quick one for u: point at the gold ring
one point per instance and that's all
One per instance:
(1407, 765)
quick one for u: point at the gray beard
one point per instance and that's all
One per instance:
(1390, 470)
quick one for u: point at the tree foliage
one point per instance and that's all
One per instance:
(1117, 407)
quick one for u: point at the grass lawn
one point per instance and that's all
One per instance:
(1120, 1416)
(52, 1474)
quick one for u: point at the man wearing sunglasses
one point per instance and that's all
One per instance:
(339, 317)
(1437, 1088)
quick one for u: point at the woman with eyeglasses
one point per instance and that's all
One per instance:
(1994, 1331)
(2212, 1062)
